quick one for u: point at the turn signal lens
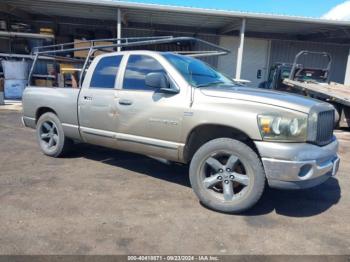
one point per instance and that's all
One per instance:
(266, 125)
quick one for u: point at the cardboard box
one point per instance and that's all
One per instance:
(67, 68)
(46, 31)
(43, 82)
(99, 52)
(84, 53)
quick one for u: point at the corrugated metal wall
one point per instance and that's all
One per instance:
(285, 51)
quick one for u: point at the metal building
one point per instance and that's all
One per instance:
(256, 40)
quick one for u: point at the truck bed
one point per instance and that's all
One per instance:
(331, 92)
(62, 100)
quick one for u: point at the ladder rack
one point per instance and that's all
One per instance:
(94, 45)
(99, 44)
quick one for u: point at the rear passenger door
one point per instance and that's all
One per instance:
(150, 121)
(98, 116)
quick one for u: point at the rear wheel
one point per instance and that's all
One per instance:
(51, 137)
(227, 175)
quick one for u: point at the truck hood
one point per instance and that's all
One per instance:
(279, 99)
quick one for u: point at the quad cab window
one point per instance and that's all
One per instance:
(137, 68)
(106, 72)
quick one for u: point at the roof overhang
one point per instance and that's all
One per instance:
(220, 21)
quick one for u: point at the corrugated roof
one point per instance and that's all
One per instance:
(178, 15)
(227, 12)
(205, 11)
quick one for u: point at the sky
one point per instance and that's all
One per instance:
(330, 9)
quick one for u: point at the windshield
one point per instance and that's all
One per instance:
(196, 72)
(285, 73)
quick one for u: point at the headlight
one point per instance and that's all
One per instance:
(283, 128)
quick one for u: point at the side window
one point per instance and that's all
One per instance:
(136, 70)
(106, 72)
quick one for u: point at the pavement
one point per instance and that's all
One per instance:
(14, 105)
(102, 201)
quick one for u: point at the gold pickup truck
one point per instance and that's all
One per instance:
(235, 139)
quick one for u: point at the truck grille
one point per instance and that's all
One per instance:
(325, 126)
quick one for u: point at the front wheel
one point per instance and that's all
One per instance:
(50, 136)
(227, 175)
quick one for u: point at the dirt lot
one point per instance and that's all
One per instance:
(100, 201)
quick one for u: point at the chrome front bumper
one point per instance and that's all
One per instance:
(298, 165)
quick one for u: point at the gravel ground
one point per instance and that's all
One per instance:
(102, 201)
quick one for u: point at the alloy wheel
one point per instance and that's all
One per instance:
(49, 135)
(224, 176)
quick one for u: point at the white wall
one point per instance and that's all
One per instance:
(227, 63)
(255, 57)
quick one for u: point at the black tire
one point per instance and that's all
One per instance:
(247, 174)
(44, 134)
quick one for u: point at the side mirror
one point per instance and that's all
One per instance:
(159, 81)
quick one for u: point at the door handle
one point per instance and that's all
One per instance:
(125, 102)
(89, 98)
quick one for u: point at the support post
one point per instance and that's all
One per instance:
(347, 71)
(119, 28)
(2, 83)
(240, 50)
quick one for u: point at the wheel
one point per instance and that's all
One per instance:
(227, 175)
(51, 137)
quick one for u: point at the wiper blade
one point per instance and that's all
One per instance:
(211, 83)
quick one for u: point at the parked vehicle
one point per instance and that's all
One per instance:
(178, 108)
(278, 72)
(312, 82)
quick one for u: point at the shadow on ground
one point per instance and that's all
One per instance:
(142, 165)
(300, 203)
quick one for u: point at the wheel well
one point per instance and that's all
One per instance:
(43, 110)
(204, 133)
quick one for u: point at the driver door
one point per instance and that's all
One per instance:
(150, 120)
